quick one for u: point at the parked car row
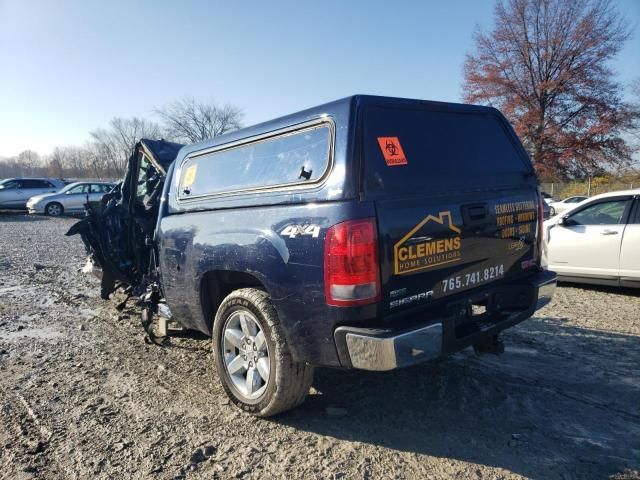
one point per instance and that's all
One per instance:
(50, 196)
(554, 207)
(560, 206)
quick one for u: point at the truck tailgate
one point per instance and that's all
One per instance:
(433, 248)
(456, 200)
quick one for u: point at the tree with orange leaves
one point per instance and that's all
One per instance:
(545, 65)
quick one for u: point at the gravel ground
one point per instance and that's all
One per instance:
(83, 396)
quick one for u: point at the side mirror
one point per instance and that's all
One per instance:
(567, 222)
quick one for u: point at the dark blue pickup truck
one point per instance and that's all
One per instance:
(370, 233)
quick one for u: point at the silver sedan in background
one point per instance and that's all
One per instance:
(71, 199)
(14, 192)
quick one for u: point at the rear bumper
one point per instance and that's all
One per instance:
(387, 349)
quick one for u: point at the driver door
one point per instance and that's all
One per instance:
(588, 242)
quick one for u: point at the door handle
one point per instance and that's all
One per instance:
(609, 232)
(475, 214)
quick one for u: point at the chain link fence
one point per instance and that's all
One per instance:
(594, 186)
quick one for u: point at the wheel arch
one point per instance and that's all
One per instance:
(215, 285)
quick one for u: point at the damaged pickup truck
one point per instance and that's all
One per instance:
(370, 233)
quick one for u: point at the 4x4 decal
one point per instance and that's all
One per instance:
(292, 231)
(427, 253)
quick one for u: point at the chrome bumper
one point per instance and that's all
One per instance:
(387, 353)
(383, 349)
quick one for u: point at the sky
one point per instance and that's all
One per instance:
(69, 66)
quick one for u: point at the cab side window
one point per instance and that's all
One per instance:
(604, 213)
(146, 179)
(34, 184)
(296, 157)
(13, 185)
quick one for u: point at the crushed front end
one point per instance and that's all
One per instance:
(118, 231)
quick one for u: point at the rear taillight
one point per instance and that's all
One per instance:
(537, 255)
(351, 275)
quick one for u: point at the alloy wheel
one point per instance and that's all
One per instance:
(54, 210)
(246, 354)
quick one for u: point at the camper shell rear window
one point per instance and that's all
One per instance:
(414, 150)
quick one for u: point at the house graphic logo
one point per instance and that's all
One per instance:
(412, 254)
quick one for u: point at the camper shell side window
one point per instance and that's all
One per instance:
(295, 157)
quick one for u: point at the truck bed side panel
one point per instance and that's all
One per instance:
(281, 248)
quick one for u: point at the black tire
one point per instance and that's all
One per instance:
(54, 209)
(288, 383)
(552, 212)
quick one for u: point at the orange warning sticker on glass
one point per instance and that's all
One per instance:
(392, 151)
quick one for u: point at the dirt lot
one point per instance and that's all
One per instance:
(82, 395)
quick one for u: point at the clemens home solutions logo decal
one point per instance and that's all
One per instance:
(414, 253)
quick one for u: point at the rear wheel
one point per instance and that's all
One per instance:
(54, 209)
(252, 358)
(552, 211)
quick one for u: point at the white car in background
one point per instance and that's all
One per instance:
(556, 208)
(597, 241)
(547, 198)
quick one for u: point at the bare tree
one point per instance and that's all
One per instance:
(106, 153)
(114, 145)
(545, 65)
(26, 163)
(96, 165)
(30, 161)
(191, 121)
(9, 167)
(55, 164)
(634, 131)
